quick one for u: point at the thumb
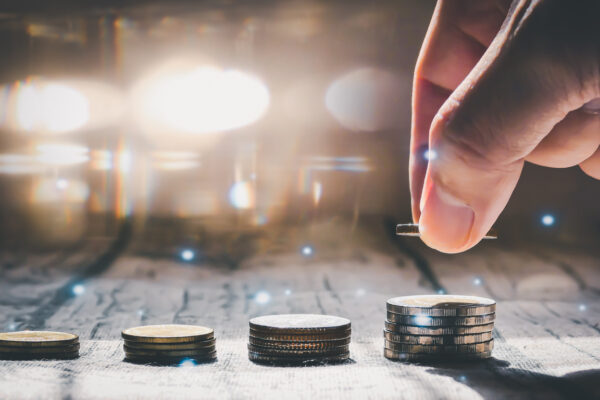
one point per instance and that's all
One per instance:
(542, 64)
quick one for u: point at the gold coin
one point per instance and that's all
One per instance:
(168, 353)
(170, 346)
(399, 356)
(297, 353)
(429, 340)
(437, 331)
(39, 350)
(168, 333)
(37, 339)
(425, 320)
(450, 348)
(413, 230)
(301, 337)
(441, 305)
(299, 323)
(267, 359)
(324, 344)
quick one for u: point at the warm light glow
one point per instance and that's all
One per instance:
(52, 107)
(367, 99)
(62, 154)
(241, 195)
(60, 191)
(200, 99)
(317, 192)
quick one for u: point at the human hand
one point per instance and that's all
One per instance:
(497, 85)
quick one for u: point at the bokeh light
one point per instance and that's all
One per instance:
(187, 255)
(78, 289)
(199, 99)
(548, 219)
(307, 251)
(241, 195)
(262, 297)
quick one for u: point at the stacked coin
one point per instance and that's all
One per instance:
(169, 344)
(37, 345)
(299, 339)
(447, 327)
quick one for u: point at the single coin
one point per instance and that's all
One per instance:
(170, 346)
(301, 337)
(441, 305)
(39, 356)
(297, 353)
(168, 333)
(436, 331)
(425, 320)
(170, 360)
(37, 339)
(399, 356)
(429, 340)
(449, 348)
(266, 359)
(323, 344)
(40, 350)
(168, 353)
(299, 323)
(413, 230)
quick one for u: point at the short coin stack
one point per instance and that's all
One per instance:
(169, 344)
(38, 345)
(298, 339)
(439, 327)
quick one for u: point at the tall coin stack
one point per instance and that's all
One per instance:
(439, 327)
(169, 344)
(38, 345)
(299, 339)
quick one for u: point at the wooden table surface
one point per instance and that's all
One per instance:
(547, 333)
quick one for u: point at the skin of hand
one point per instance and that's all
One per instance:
(498, 83)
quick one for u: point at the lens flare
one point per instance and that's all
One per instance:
(241, 195)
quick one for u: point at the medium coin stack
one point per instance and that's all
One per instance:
(298, 339)
(38, 345)
(169, 344)
(439, 327)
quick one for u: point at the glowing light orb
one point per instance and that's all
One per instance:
(430, 155)
(201, 99)
(78, 289)
(187, 363)
(441, 291)
(12, 326)
(287, 292)
(187, 255)
(477, 281)
(262, 297)
(62, 154)
(582, 307)
(548, 220)
(62, 184)
(307, 251)
(462, 378)
(241, 195)
(422, 320)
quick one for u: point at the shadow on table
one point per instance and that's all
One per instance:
(494, 378)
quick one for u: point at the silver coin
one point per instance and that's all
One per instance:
(413, 230)
(297, 353)
(288, 344)
(429, 340)
(425, 320)
(449, 348)
(303, 337)
(399, 356)
(437, 331)
(267, 359)
(299, 323)
(441, 305)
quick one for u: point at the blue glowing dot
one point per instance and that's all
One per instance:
(582, 307)
(187, 362)
(140, 312)
(287, 292)
(430, 155)
(262, 297)
(462, 378)
(78, 289)
(477, 281)
(548, 220)
(187, 255)
(441, 291)
(307, 251)
(62, 184)
(422, 320)
(12, 326)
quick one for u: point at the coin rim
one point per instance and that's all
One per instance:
(296, 353)
(302, 337)
(439, 349)
(169, 353)
(38, 343)
(485, 306)
(432, 330)
(434, 339)
(201, 344)
(39, 350)
(400, 356)
(289, 344)
(440, 321)
(167, 339)
(261, 359)
(295, 329)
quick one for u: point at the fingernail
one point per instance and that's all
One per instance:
(446, 221)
